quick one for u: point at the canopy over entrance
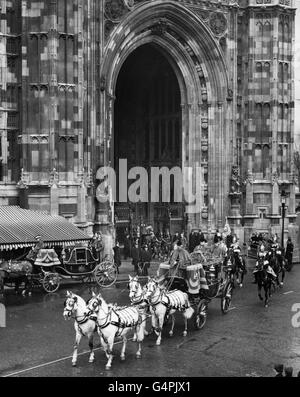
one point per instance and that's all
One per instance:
(20, 227)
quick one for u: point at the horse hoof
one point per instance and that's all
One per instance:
(184, 333)
(266, 306)
(122, 358)
(157, 343)
(91, 360)
(107, 367)
(241, 285)
(73, 364)
(29, 293)
(138, 355)
(170, 333)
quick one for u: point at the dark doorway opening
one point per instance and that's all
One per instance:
(147, 132)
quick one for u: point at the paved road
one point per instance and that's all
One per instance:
(245, 342)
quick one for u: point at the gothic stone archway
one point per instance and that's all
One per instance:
(198, 63)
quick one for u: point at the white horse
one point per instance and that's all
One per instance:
(137, 297)
(117, 322)
(75, 307)
(163, 302)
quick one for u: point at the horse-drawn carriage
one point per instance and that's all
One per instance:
(203, 279)
(46, 269)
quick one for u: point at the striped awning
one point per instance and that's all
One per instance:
(20, 227)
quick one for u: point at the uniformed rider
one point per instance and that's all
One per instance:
(263, 255)
(237, 251)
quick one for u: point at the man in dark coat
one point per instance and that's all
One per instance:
(194, 240)
(135, 254)
(289, 254)
(202, 237)
(117, 256)
(145, 260)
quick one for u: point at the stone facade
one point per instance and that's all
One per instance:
(60, 62)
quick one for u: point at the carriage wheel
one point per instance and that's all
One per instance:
(226, 298)
(105, 274)
(51, 282)
(201, 314)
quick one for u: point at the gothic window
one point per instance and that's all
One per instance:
(11, 95)
(286, 33)
(44, 110)
(12, 120)
(1, 157)
(266, 79)
(13, 156)
(280, 157)
(286, 73)
(259, 39)
(266, 118)
(69, 59)
(33, 110)
(266, 160)
(258, 119)
(33, 55)
(267, 44)
(44, 64)
(258, 159)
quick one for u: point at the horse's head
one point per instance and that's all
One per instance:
(135, 288)
(150, 287)
(70, 305)
(94, 303)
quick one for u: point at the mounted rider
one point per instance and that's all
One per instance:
(263, 255)
(278, 250)
(237, 252)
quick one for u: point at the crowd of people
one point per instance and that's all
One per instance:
(148, 246)
(284, 372)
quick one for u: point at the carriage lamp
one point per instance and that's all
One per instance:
(283, 200)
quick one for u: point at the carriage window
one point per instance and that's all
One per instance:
(81, 255)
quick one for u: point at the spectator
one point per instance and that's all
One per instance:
(279, 370)
(288, 372)
(145, 260)
(135, 253)
(117, 256)
(289, 254)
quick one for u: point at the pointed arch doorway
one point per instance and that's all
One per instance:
(148, 133)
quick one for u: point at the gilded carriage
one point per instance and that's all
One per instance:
(204, 278)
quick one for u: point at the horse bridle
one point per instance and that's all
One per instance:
(86, 316)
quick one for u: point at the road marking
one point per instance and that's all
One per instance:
(54, 362)
(289, 292)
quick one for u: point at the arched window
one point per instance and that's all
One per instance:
(266, 161)
(257, 159)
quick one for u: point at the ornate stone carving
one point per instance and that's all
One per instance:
(235, 183)
(53, 178)
(218, 23)
(249, 178)
(275, 177)
(108, 28)
(24, 179)
(160, 27)
(103, 83)
(115, 9)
